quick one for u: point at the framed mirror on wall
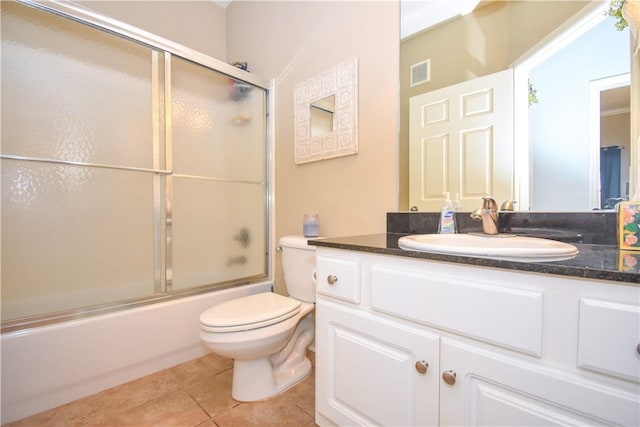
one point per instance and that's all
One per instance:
(553, 165)
(326, 114)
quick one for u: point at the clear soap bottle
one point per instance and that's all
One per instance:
(447, 224)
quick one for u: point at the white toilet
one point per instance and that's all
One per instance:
(267, 334)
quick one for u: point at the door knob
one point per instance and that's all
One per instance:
(422, 366)
(332, 279)
(449, 377)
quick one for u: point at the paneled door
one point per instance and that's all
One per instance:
(461, 142)
(364, 354)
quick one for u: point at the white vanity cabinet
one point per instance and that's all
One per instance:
(403, 341)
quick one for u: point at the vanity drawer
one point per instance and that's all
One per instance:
(501, 315)
(338, 278)
(609, 338)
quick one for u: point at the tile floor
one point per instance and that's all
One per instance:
(195, 393)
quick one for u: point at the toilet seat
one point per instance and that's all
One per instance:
(250, 312)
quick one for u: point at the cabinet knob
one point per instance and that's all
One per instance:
(332, 279)
(422, 366)
(449, 377)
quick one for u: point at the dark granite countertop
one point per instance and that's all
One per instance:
(600, 262)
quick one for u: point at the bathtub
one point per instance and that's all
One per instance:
(49, 366)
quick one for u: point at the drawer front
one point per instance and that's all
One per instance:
(609, 338)
(498, 315)
(338, 278)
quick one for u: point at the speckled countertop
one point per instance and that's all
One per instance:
(600, 262)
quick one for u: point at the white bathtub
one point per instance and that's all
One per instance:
(49, 366)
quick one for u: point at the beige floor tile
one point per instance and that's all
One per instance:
(176, 409)
(193, 370)
(213, 393)
(277, 411)
(134, 393)
(303, 395)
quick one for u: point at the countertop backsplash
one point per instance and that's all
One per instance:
(595, 227)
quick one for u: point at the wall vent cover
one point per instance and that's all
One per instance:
(421, 72)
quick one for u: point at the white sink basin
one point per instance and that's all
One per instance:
(503, 246)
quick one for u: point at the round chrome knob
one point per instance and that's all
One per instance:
(422, 366)
(449, 377)
(332, 279)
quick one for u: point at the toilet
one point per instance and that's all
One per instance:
(267, 334)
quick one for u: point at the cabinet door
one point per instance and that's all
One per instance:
(493, 389)
(369, 370)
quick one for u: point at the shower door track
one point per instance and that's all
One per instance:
(29, 322)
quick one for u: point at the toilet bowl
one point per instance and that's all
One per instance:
(267, 334)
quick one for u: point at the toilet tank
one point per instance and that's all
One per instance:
(299, 266)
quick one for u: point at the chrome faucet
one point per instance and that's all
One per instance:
(488, 214)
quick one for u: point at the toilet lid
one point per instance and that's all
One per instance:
(250, 312)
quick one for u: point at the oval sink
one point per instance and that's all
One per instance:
(503, 246)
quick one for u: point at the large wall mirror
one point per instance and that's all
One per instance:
(576, 62)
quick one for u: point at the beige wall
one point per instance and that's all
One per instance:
(199, 25)
(293, 41)
(484, 42)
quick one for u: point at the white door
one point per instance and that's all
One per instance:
(490, 389)
(461, 141)
(374, 372)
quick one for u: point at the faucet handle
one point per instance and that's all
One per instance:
(508, 206)
(476, 215)
(489, 203)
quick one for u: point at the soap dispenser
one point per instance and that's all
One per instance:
(447, 223)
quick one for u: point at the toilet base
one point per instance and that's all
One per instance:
(266, 377)
(255, 380)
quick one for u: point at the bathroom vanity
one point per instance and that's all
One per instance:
(415, 338)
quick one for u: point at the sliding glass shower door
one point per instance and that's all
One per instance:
(128, 172)
(219, 177)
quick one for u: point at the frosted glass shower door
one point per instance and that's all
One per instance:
(132, 171)
(74, 235)
(218, 186)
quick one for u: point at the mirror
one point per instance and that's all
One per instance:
(322, 115)
(326, 114)
(498, 35)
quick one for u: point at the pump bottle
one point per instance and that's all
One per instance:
(447, 223)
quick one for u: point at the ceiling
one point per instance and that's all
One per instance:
(419, 15)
